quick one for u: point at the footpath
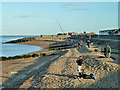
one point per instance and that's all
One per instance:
(60, 73)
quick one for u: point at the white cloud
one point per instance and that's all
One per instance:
(68, 5)
(79, 9)
(27, 16)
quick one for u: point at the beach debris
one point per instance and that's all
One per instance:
(13, 72)
(96, 50)
(113, 58)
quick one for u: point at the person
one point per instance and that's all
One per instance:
(79, 45)
(66, 38)
(81, 42)
(73, 41)
(107, 51)
(79, 66)
(88, 43)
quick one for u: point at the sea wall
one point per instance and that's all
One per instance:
(117, 37)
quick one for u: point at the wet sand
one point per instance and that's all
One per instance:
(10, 67)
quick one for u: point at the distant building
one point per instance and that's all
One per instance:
(72, 33)
(110, 32)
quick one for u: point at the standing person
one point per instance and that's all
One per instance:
(73, 41)
(79, 66)
(88, 43)
(81, 42)
(79, 45)
(66, 38)
(107, 51)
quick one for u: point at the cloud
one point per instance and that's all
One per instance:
(68, 5)
(73, 6)
(80, 9)
(27, 16)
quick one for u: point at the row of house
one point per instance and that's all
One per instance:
(102, 32)
(73, 33)
(110, 32)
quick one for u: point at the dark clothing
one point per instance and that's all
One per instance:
(79, 62)
(78, 44)
(88, 43)
(107, 51)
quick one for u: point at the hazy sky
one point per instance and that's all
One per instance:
(23, 18)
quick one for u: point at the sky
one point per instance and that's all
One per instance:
(40, 18)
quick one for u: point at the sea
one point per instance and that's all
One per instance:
(8, 50)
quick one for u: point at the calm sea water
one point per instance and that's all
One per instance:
(16, 49)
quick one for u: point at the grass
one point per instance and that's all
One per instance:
(35, 55)
(43, 54)
(19, 57)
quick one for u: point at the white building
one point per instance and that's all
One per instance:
(110, 32)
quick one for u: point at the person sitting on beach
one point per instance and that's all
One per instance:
(79, 65)
(107, 51)
(88, 43)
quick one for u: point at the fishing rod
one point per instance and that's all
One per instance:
(59, 25)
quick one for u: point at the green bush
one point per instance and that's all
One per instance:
(35, 55)
(50, 48)
(29, 56)
(43, 54)
(17, 57)
(4, 58)
(56, 48)
(9, 58)
(25, 56)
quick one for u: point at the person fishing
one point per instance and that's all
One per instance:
(107, 51)
(79, 65)
(88, 43)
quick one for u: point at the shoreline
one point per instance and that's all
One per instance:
(44, 42)
(41, 43)
(11, 67)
